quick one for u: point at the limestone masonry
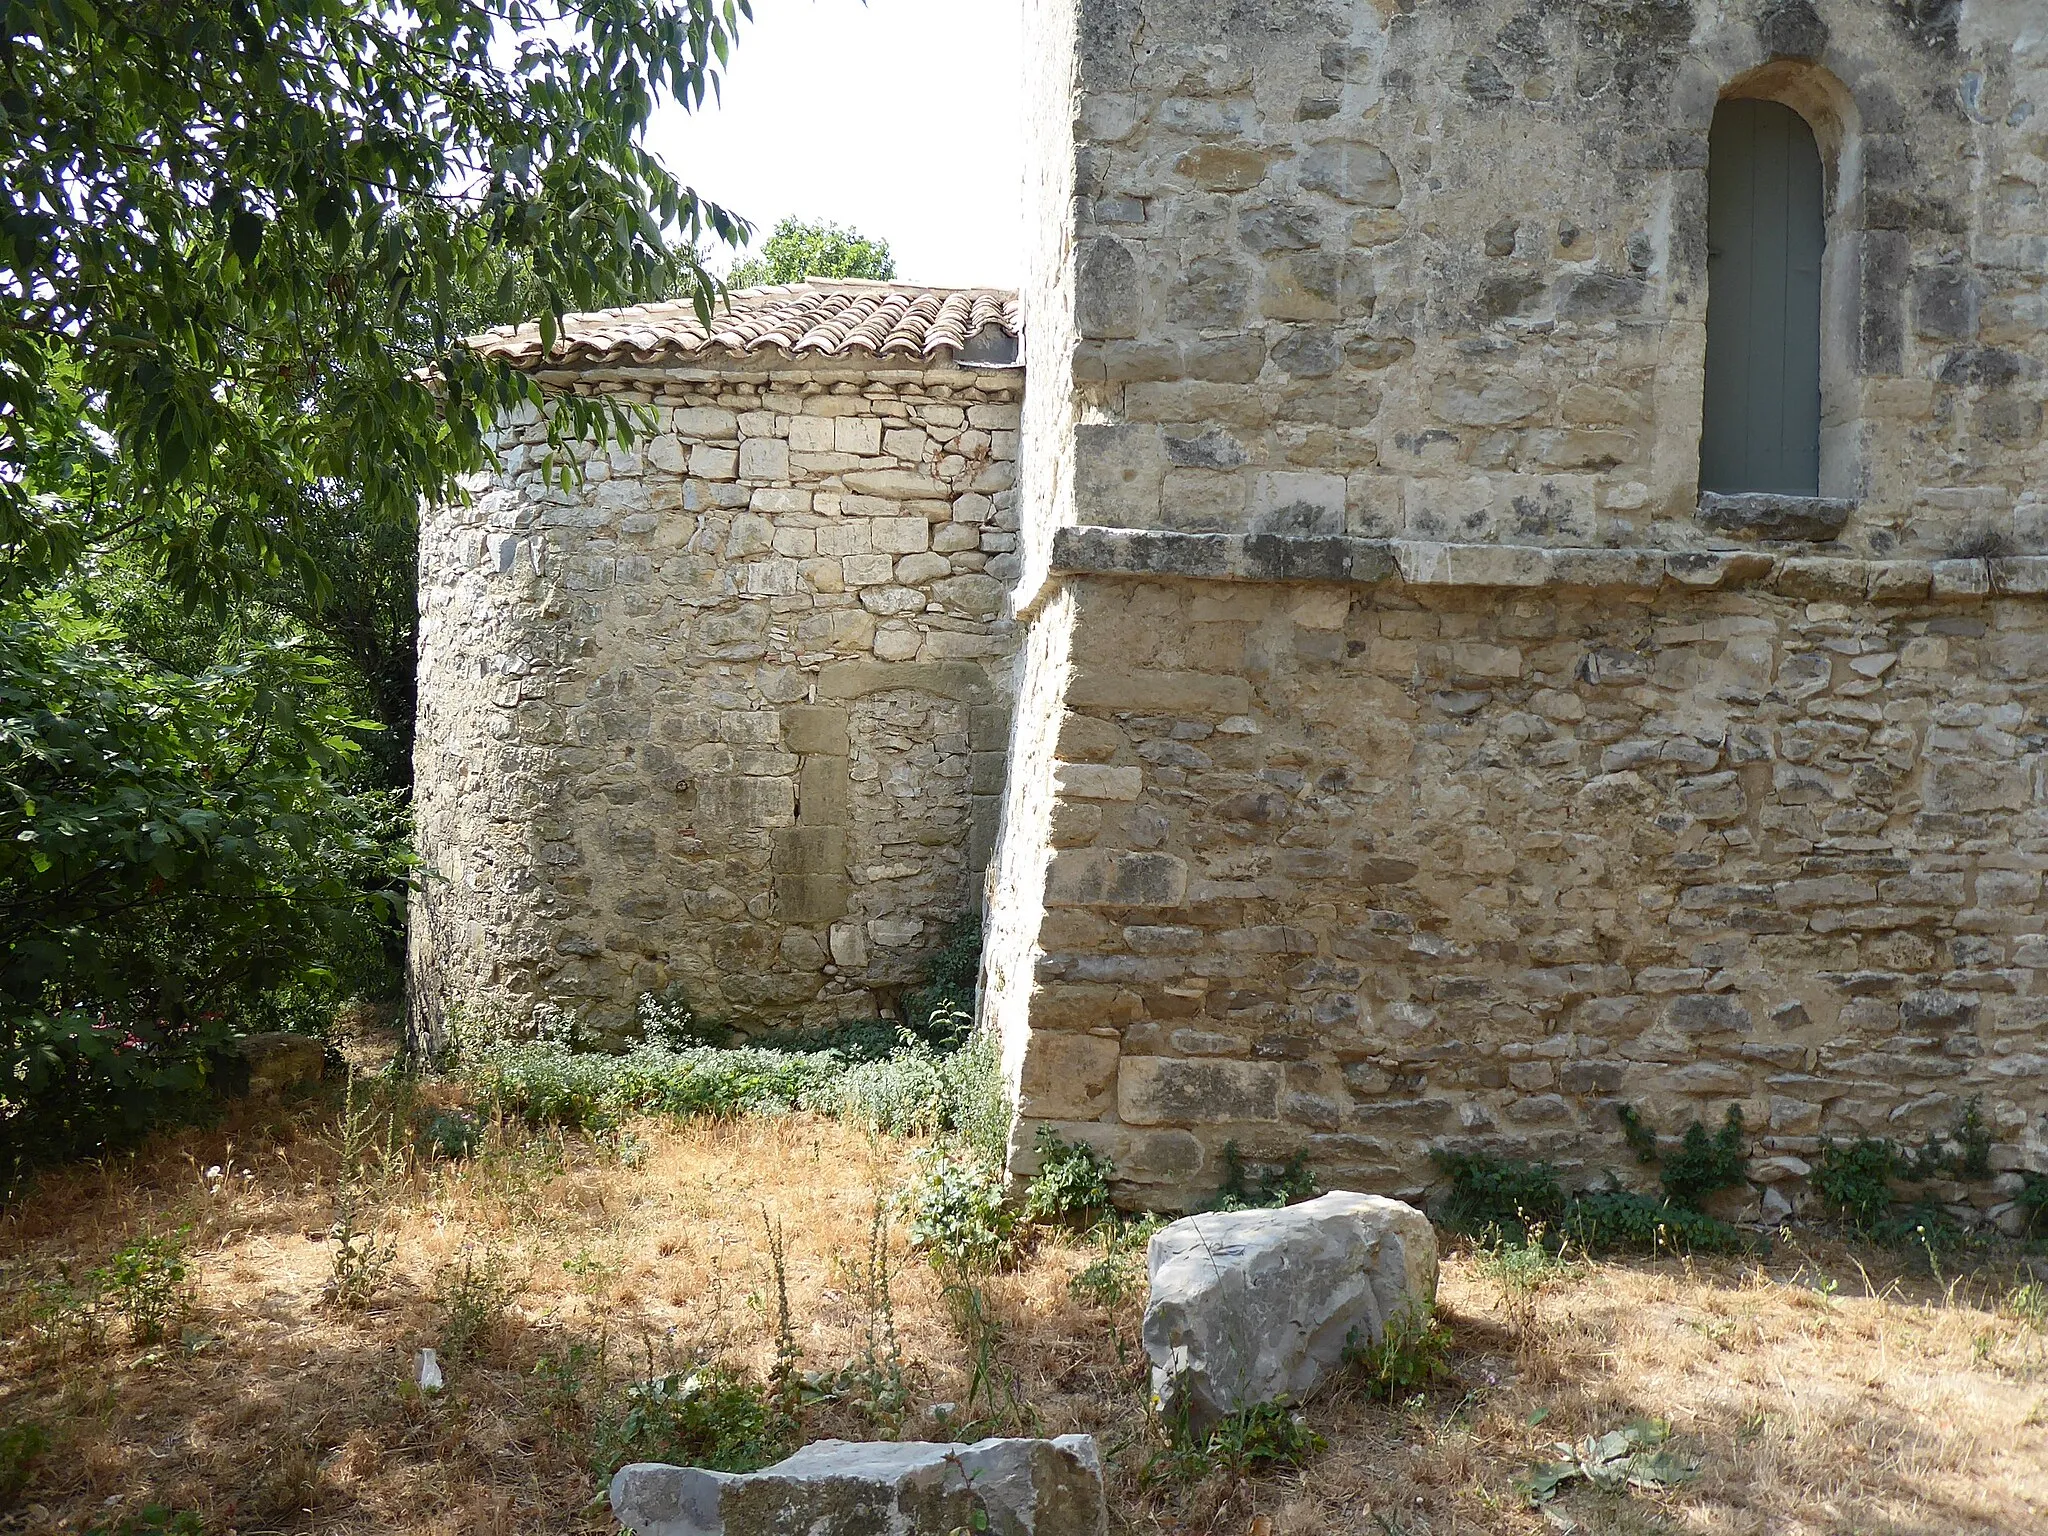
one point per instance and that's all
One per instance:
(727, 717)
(1402, 750)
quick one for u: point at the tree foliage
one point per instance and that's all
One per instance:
(238, 239)
(798, 250)
(240, 243)
(173, 850)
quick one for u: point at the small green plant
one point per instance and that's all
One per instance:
(995, 1395)
(1618, 1219)
(1498, 1194)
(1108, 1283)
(666, 1023)
(21, 1447)
(149, 1283)
(714, 1417)
(567, 1378)
(62, 1315)
(1635, 1456)
(941, 1012)
(360, 1258)
(1292, 1181)
(1703, 1162)
(784, 1380)
(471, 1031)
(2032, 1199)
(875, 1383)
(1640, 1138)
(1972, 1138)
(474, 1292)
(154, 1520)
(1412, 1351)
(1502, 1201)
(1854, 1178)
(1260, 1438)
(978, 1102)
(1520, 1262)
(1926, 1227)
(2029, 1303)
(1071, 1187)
(1706, 1163)
(959, 1215)
(452, 1134)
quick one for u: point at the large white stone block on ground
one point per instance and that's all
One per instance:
(1253, 1306)
(847, 1488)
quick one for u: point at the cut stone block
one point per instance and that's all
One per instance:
(1766, 515)
(1253, 1307)
(279, 1061)
(847, 1488)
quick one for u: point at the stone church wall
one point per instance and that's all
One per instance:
(1438, 271)
(1400, 859)
(728, 716)
(1434, 763)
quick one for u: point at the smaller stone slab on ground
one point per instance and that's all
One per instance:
(280, 1062)
(1255, 1306)
(849, 1488)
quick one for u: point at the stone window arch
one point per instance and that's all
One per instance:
(1766, 230)
(1792, 128)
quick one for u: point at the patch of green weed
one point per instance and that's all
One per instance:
(155, 1520)
(148, 1283)
(21, 1447)
(714, 1417)
(1498, 1193)
(1071, 1187)
(474, 1293)
(1263, 1437)
(1609, 1220)
(1412, 1351)
(1291, 1182)
(1704, 1163)
(959, 1213)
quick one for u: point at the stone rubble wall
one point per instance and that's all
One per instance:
(730, 715)
(1381, 864)
(1438, 271)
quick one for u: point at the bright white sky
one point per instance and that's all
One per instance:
(900, 118)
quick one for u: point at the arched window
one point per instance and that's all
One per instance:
(1765, 234)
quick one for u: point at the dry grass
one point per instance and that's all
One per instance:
(1825, 1391)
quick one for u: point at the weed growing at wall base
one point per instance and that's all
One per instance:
(1526, 1200)
(1071, 1187)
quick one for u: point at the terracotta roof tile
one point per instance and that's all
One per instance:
(831, 318)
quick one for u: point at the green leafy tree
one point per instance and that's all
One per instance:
(239, 241)
(797, 250)
(173, 850)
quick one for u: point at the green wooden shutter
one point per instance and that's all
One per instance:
(1765, 231)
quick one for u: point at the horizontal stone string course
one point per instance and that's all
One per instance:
(1276, 557)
